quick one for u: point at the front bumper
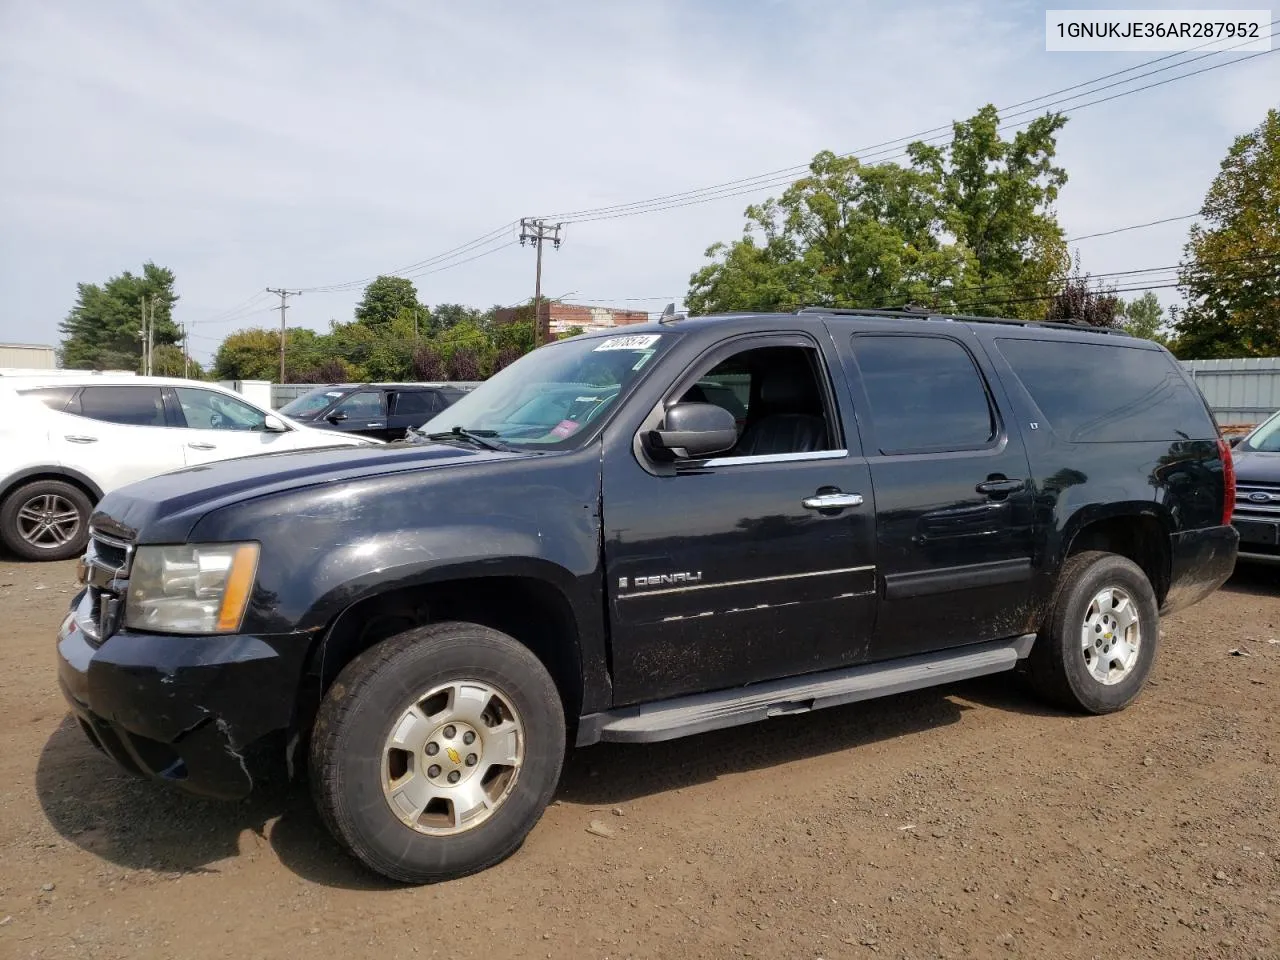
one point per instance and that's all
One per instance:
(1201, 562)
(211, 715)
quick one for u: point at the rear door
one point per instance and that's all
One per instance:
(362, 412)
(954, 499)
(410, 408)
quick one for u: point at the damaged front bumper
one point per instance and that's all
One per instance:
(211, 715)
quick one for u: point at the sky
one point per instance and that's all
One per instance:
(317, 143)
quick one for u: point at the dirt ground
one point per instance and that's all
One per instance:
(961, 822)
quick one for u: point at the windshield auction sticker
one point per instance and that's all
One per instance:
(637, 342)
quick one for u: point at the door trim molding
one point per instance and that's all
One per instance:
(745, 583)
(921, 583)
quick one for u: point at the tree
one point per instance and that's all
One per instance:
(966, 225)
(384, 300)
(104, 328)
(1144, 317)
(168, 361)
(445, 316)
(428, 364)
(464, 364)
(1079, 301)
(1231, 269)
(255, 355)
(248, 355)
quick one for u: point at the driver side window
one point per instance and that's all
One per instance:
(207, 410)
(777, 397)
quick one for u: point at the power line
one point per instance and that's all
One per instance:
(890, 152)
(1136, 226)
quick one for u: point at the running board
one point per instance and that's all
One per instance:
(698, 713)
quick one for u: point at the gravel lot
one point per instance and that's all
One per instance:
(961, 822)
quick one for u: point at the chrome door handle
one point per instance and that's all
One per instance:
(80, 438)
(202, 446)
(832, 501)
(998, 485)
(375, 424)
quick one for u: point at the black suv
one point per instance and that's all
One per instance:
(590, 547)
(384, 411)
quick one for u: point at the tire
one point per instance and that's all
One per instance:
(355, 767)
(1066, 672)
(25, 510)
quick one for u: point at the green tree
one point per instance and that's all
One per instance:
(384, 300)
(1144, 317)
(446, 316)
(168, 361)
(1231, 270)
(255, 355)
(248, 355)
(966, 225)
(104, 328)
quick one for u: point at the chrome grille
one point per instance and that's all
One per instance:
(1258, 499)
(107, 563)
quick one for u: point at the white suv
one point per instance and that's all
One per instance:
(65, 441)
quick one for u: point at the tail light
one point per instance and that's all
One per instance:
(1228, 481)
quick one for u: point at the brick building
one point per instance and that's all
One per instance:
(559, 318)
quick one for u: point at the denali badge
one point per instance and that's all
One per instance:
(661, 579)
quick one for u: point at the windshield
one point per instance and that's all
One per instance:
(309, 404)
(1265, 438)
(549, 396)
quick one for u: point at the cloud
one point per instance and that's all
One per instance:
(302, 144)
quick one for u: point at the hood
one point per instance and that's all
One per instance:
(162, 509)
(1256, 466)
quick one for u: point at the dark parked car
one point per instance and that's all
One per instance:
(381, 410)
(1257, 516)
(589, 547)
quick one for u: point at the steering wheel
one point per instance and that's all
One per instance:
(215, 420)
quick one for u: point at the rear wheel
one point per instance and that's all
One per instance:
(1098, 644)
(46, 520)
(435, 752)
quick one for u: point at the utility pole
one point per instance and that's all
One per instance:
(186, 353)
(142, 334)
(537, 231)
(151, 338)
(283, 295)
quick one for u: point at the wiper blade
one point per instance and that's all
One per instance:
(481, 438)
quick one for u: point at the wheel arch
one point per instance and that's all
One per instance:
(52, 472)
(521, 598)
(1141, 532)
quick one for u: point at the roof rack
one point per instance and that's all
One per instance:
(923, 314)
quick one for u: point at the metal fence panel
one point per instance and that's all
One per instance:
(1240, 391)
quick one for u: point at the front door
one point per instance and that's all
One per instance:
(363, 412)
(735, 569)
(954, 498)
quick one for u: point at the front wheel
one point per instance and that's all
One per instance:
(435, 752)
(1098, 644)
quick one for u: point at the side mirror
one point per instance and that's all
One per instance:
(1235, 441)
(692, 431)
(336, 417)
(273, 424)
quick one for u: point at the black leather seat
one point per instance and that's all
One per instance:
(793, 421)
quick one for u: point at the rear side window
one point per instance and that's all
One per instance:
(55, 398)
(926, 394)
(1100, 393)
(414, 403)
(134, 406)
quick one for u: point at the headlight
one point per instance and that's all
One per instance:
(194, 588)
